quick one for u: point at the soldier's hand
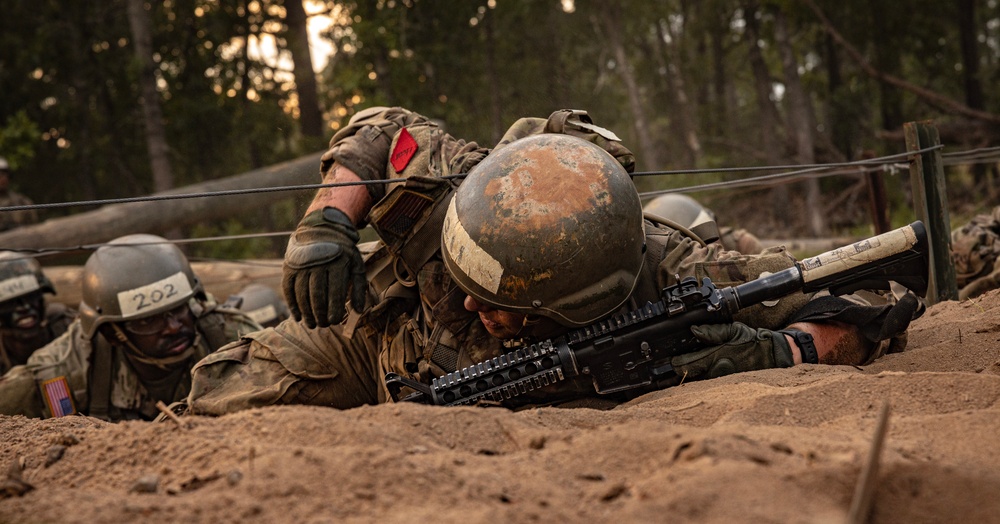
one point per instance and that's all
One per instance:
(322, 265)
(733, 348)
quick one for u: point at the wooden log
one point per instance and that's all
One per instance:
(114, 220)
(221, 279)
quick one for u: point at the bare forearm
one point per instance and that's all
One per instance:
(354, 201)
(836, 343)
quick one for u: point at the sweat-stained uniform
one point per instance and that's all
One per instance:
(93, 377)
(415, 323)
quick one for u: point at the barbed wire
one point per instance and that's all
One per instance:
(230, 192)
(983, 155)
(799, 172)
(775, 179)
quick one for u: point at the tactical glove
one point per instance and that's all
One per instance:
(322, 263)
(733, 348)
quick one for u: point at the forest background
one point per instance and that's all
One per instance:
(108, 99)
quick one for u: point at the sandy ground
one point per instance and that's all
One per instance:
(773, 446)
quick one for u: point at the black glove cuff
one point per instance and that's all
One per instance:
(336, 216)
(806, 345)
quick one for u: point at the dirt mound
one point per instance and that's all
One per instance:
(782, 445)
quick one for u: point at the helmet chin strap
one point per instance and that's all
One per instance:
(161, 363)
(528, 323)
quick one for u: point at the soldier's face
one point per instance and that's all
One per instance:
(165, 335)
(23, 313)
(500, 324)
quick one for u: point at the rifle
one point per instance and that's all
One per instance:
(632, 351)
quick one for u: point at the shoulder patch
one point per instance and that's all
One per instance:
(405, 148)
(57, 397)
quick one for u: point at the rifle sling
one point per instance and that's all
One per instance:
(100, 380)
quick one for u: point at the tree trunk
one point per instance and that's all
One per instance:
(970, 73)
(683, 121)
(310, 114)
(648, 157)
(768, 117)
(114, 220)
(970, 54)
(801, 122)
(496, 104)
(721, 87)
(840, 127)
(156, 136)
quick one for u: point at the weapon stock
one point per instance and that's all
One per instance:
(632, 350)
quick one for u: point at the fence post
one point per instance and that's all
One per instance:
(930, 201)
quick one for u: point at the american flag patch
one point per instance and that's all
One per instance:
(57, 397)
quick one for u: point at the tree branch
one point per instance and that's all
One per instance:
(931, 97)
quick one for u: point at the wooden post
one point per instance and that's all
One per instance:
(930, 201)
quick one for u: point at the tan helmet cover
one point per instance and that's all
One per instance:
(20, 275)
(549, 225)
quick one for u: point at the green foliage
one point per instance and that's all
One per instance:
(71, 113)
(17, 138)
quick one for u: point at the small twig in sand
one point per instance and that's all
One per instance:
(864, 491)
(250, 457)
(976, 303)
(689, 406)
(170, 414)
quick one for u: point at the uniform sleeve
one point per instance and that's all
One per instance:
(366, 146)
(288, 364)
(19, 395)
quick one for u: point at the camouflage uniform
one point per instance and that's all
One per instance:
(739, 239)
(57, 319)
(415, 323)
(975, 249)
(102, 382)
(12, 219)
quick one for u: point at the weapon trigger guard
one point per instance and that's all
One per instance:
(394, 382)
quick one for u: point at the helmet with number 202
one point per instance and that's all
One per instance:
(547, 225)
(134, 276)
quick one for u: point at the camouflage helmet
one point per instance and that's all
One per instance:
(686, 212)
(262, 304)
(134, 276)
(678, 207)
(20, 275)
(975, 247)
(547, 225)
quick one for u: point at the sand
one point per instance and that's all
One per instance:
(783, 445)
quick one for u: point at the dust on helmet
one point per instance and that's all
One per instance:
(547, 225)
(262, 304)
(134, 276)
(21, 275)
